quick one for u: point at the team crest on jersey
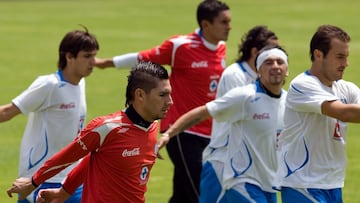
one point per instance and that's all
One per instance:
(223, 63)
(213, 85)
(144, 175)
(144, 172)
(337, 134)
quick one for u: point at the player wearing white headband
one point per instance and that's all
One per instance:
(255, 112)
(266, 54)
(240, 73)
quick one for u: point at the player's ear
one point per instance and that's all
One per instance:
(204, 24)
(318, 53)
(139, 94)
(68, 56)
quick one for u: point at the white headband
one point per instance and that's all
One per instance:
(268, 53)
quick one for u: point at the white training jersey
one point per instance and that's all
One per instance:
(256, 120)
(236, 75)
(56, 112)
(312, 145)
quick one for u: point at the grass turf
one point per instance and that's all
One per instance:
(31, 30)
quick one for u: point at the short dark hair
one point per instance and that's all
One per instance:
(74, 42)
(257, 37)
(209, 10)
(321, 40)
(145, 75)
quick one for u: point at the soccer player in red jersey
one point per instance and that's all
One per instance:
(197, 61)
(119, 149)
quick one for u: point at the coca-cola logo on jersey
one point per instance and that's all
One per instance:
(261, 116)
(199, 64)
(133, 152)
(67, 106)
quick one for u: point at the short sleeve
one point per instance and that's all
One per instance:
(34, 98)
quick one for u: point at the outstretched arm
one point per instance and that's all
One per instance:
(64, 158)
(186, 121)
(73, 180)
(76, 176)
(8, 111)
(122, 61)
(103, 63)
(341, 111)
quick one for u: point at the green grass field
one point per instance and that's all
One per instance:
(30, 32)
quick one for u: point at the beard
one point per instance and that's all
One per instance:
(277, 80)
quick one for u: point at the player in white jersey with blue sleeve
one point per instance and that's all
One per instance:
(255, 112)
(319, 103)
(56, 109)
(240, 73)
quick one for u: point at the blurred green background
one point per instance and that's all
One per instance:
(31, 30)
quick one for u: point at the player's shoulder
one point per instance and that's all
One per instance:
(49, 78)
(185, 39)
(240, 69)
(115, 117)
(346, 86)
(302, 76)
(346, 83)
(305, 80)
(111, 120)
(45, 82)
(248, 90)
(232, 68)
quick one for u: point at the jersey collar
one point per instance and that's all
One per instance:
(61, 76)
(207, 44)
(261, 88)
(136, 118)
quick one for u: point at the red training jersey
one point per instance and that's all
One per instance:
(196, 67)
(118, 166)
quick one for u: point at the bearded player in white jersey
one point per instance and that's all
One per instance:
(318, 106)
(255, 112)
(240, 73)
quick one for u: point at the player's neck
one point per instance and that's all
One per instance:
(209, 39)
(70, 77)
(272, 90)
(136, 117)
